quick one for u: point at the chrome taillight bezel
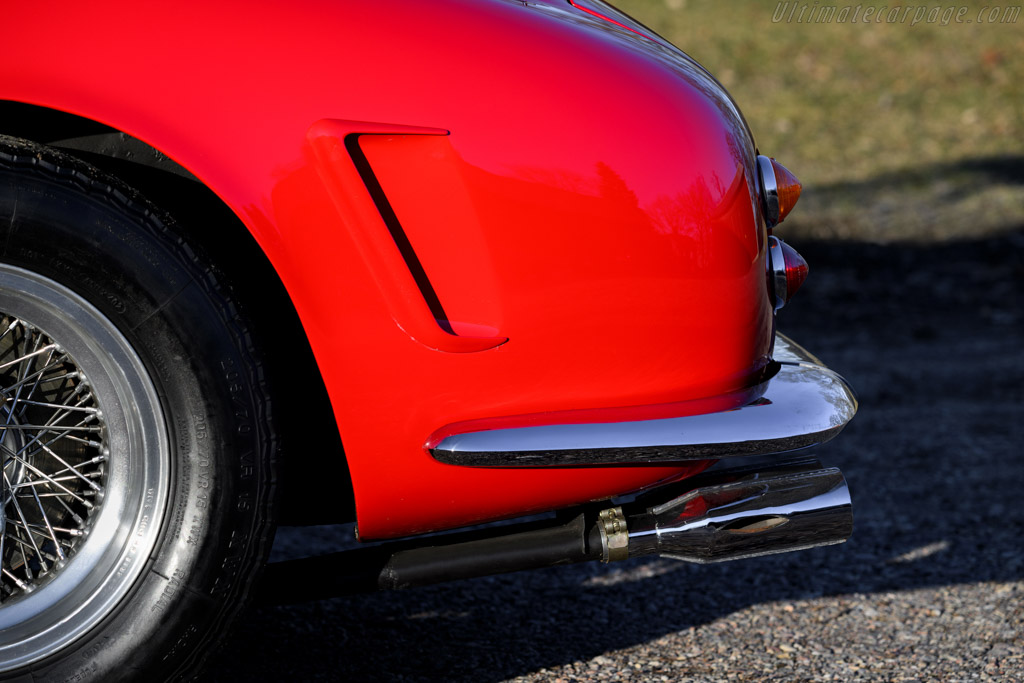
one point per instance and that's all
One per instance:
(786, 271)
(778, 286)
(769, 191)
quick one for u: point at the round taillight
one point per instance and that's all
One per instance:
(780, 190)
(787, 271)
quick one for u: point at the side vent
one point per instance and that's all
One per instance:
(384, 248)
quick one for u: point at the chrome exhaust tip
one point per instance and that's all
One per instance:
(759, 508)
(736, 517)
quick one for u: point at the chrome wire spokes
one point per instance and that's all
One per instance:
(52, 440)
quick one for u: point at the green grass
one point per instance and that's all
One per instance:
(898, 132)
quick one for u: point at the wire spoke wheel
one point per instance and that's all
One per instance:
(53, 454)
(85, 466)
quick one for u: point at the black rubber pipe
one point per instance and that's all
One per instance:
(483, 552)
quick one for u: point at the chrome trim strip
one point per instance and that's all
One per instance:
(805, 404)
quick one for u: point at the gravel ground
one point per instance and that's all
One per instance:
(930, 587)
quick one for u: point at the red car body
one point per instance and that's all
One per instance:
(487, 214)
(600, 212)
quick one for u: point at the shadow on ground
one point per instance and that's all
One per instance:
(968, 198)
(931, 337)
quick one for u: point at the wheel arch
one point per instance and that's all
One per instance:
(255, 283)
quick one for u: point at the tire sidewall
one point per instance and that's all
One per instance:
(69, 223)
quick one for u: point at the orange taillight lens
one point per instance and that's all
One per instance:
(787, 187)
(780, 190)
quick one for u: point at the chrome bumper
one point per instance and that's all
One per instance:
(805, 404)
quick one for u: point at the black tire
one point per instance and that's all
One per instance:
(100, 278)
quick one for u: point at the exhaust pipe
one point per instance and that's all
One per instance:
(756, 514)
(725, 515)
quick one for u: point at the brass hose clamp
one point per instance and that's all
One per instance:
(614, 536)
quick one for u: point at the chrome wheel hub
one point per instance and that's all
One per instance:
(11, 441)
